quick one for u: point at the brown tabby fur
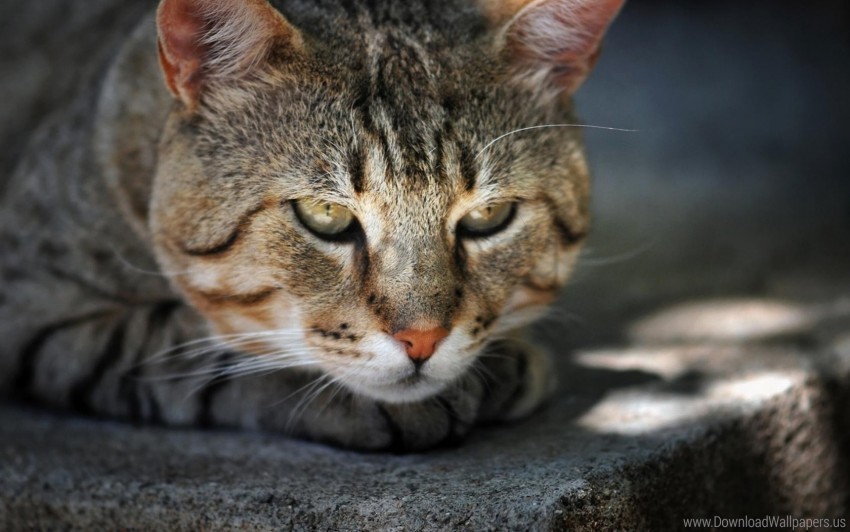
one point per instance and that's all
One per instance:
(144, 220)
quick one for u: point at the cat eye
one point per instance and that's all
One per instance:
(326, 220)
(486, 221)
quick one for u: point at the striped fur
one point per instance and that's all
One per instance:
(153, 268)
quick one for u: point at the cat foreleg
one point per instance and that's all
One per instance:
(519, 377)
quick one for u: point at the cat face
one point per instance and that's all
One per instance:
(364, 204)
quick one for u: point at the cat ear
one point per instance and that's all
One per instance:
(557, 38)
(202, 40)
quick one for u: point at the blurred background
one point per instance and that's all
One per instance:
(736, 182)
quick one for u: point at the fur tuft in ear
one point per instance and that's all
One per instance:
(204, 40)
(559, 39)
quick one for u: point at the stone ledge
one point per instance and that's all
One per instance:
(641, 436)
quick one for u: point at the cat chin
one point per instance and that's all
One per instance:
(400, 392)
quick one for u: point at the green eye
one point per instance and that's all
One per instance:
(327, 220)
(486, 221)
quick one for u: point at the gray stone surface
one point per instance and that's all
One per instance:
(705, 342)
(703, 421)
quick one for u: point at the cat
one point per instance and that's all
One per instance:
(328, 218)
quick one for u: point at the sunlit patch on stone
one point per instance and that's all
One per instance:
(724, 320)
(642, 411)
(666, 362)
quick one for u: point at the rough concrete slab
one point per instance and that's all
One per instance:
(641, 436)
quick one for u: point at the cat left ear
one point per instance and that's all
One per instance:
(203, 40)
(558, 38)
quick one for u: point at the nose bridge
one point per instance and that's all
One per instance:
(420, 282)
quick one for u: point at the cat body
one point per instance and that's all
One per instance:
(301, 217)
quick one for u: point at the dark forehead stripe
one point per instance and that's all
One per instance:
(395, 100)
(386, 149)
(368, 95)
(362, 103)
(468, 166)
(356, 168)
(467, 162)
(406, 114)
(440, 157)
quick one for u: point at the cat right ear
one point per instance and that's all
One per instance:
(204, 40)
(558, 39)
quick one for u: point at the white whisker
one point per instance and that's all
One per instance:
(615, 259)
(163, 273)
(218, 342)
(310, 393)
(520, 130)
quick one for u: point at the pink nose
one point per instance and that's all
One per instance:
(421, 344)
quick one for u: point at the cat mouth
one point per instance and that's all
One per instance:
(414, 386)
(414, 378)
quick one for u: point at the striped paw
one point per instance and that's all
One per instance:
(519, 378)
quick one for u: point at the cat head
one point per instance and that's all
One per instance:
(363, 188)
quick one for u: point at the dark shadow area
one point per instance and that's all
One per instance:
(46, 70)
(735, 185)
(736, 181)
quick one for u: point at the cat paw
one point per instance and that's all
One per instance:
(439, 421)
(352, 421)
(519, 377)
